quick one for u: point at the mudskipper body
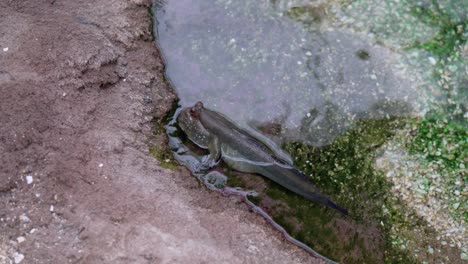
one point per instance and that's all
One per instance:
(243, 152)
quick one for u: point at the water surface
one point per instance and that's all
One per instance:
(261, 65)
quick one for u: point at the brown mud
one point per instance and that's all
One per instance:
(81, 83)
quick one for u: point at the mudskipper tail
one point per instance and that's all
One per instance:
(337, 207)
(312, 193)
(296, 181)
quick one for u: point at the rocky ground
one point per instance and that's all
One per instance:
(80, 83)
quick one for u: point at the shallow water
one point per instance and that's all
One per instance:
(258, 65)
(326, 80)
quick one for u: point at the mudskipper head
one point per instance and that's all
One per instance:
(190, 114)
(189, 122)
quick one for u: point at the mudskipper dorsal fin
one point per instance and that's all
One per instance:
(254, 141)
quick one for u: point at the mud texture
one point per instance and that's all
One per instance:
(80, 86)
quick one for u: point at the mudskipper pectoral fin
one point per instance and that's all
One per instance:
(211, 160)
(215, 150)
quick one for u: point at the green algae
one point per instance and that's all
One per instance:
(446, 46)
(441, 137)
(159, 148)
(151, 24)
(344, 170)
(451, 27)
(443, 141)
(164, 156)
(308, 15)
(255, 199)
(234, 180)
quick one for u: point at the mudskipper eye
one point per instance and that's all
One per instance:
(193, 112)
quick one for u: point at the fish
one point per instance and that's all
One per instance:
(244, 152)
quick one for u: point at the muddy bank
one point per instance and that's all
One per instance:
(80, 85)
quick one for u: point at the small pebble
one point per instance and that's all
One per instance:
(51, 208)
(20, 239)
(308, 114)
(24, 218)
(5, 49)
(29, 179)
(432, 61)
(101, 165)
(464, 256)
(430, 250)
(18, 257)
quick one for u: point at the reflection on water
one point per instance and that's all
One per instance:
(268, 64)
